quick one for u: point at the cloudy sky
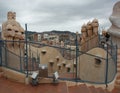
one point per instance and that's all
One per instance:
(46, 15)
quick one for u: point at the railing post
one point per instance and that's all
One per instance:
(111, 45)
(76, 57)
(20, 57)
(32, 62)
(1, 53)
(106, 77)
(26, 50)
(6, 64)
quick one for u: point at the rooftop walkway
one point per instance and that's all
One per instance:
(9, 86)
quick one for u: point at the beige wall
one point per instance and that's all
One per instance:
(87, 69)
(51, 55)
(13, 75)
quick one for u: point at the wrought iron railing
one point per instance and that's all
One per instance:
(72, 70)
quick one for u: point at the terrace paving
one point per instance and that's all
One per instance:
(8, 86)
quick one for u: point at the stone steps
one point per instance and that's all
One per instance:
(118, 65)
(118, 77)
(118, 51)
(118, 60)
(118, 69)
(117, 81)
(116, 86)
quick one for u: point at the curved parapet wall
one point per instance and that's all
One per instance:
(93, 68)
(91, 65)
(13, 75)
(51, 56)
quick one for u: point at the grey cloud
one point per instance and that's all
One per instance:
(53, 13)
(70, 12)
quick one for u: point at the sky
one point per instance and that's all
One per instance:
(63, 15)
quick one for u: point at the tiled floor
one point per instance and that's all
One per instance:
(116, 91)
(7, 86)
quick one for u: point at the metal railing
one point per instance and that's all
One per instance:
(74, 69)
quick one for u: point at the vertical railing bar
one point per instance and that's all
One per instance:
(26, 49)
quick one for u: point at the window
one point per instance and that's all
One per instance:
(97, 62)
(68, 69)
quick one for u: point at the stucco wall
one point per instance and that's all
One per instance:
(87, 69)
(13, 75)
(90, 71)
(51, 55)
